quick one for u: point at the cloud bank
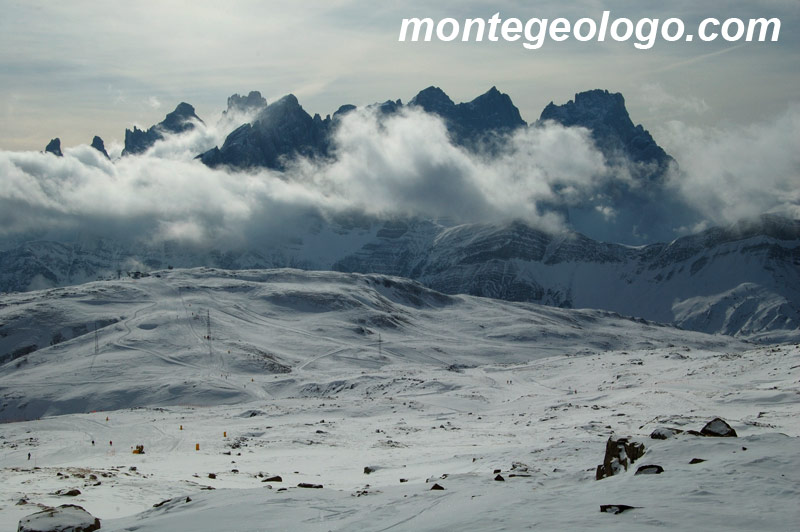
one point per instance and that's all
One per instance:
(383, 168)
(738, 172)
(398, 166)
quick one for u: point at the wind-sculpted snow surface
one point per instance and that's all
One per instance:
(193, 337)
(391, 389)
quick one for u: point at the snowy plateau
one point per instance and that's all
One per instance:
(246, 389)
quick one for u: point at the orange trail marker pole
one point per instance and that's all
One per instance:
(196, 446)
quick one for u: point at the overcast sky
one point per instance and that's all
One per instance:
(75, 69)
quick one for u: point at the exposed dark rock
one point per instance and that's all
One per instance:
(65, 518)
(605, 115)
(499, 478)
(620, 453)
(212, 475)
(615, 508)
(649, 470)
(663, 433)
(470, 122)
(276, 478)
(437, 487)
(343, 110)
(718, 427)
(632, 212)
(74, 492)
(54, 147)
(251, 103)
(694, 461)
(182, 119)
(97, 143)
(388, 107)
(368, 470)
(282, 131)
(308, 485)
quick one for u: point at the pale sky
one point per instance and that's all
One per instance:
(79, 68)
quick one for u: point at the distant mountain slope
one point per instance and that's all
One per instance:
(742, 280)
(175, 337)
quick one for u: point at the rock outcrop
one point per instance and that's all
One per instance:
(97, 143)
(54, 147)
(251, 103)
(649, 470)
(65, 518)
(620, 453)
(282, 130)
(605, 115)
(719, 428)
(182, 119)
(469, 122)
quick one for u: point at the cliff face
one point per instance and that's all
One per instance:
(183, 118)
(604, 114)
(281, 131)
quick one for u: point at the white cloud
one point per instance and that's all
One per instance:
(658, 100)
(404, 165)
(738, 172)
(396, 166)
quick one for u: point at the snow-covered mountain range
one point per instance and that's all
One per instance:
(742, 280)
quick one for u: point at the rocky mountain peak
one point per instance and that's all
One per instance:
(344, 109)
(246, 104)
(434, 100)
(54, 147)
(492, 110)
(605, 115)
(180, 119)
(281, 131)
(97, 143)
(183, 118)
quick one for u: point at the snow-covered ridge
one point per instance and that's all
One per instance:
(743, 280)
(145, 342)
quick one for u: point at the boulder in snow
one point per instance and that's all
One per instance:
(718, 427)
(65, 518)
(620, 453)
(650, 470)
(663, 433)
(615, 508)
